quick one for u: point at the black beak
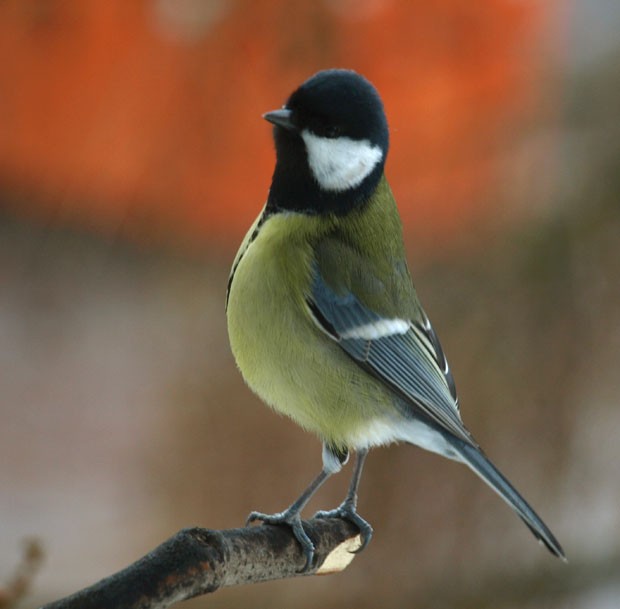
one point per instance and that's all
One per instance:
(281, 118)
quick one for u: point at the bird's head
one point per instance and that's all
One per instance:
(331, 141)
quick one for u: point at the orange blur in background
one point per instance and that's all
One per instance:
(143, 118)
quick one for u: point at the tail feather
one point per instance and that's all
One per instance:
(476, 460)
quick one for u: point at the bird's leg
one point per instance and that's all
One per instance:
(348, 508)
(292, 517)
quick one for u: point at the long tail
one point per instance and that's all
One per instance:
(476, 460)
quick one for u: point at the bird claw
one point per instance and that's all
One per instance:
(348, 511)
(293, 520)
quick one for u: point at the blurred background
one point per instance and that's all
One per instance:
(133, 157)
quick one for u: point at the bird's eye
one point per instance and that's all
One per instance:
(332, 131)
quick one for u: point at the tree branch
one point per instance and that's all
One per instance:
(197, 561)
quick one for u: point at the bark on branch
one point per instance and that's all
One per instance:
(197, 561)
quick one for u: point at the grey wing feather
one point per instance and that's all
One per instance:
(428, 330)
(411, 362)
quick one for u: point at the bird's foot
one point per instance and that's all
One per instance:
(348, 511)
(291, 518)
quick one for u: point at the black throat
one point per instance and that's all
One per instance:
(294, 188)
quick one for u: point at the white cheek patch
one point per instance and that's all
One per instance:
(340, 163)
(378, 329)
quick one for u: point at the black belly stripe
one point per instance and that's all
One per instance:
(266, 213)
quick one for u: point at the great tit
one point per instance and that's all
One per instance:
(323, 319)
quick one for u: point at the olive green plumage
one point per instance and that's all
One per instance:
(282, 354)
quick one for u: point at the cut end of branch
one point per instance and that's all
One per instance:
(341, 556)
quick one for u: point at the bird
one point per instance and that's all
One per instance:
(324, 322)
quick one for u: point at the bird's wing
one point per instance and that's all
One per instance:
(396, 344)
(405, 354)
